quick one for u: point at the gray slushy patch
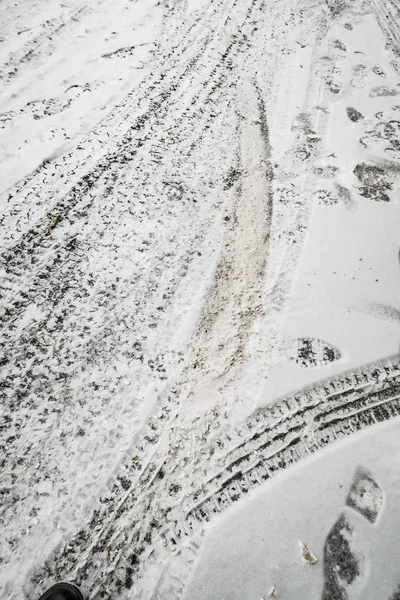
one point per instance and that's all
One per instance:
(365, 496)
(341, 565)
(312, 352)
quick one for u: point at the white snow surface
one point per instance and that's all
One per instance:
(199, 288)
(257, 547)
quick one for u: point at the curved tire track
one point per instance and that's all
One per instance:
(146, 529)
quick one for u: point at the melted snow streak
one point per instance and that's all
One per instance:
(234, 301)
(134, 262)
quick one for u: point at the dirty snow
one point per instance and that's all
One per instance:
(199, 288)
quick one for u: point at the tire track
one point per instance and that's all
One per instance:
(276, 438)
(59, 364)
(36, 51)
(168, 531)
(178, 49)
(65, 340)
(25, 253)
(109, 547)
(155, 512)
(387, 15)
(321, 415)
(112, 166)
(18, 255)
(159, 96)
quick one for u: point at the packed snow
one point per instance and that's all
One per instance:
(200, 298)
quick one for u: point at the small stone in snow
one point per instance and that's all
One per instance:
(308, 556)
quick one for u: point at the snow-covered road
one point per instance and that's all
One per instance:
(199, 270)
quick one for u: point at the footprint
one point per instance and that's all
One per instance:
(380, 310)
(174, 190)
(342, 564)
(383, 90)
(391, 133)
(232, 177)
(373, 181)
(326, 171)
(384, 134)
(378, 71)
(353, 114)
(331, 74)
(325, 197)
(339, 45)
(312, 352)
(358, 75)
(41, 109)
(345, 196)
(365, 495)
(7, 119)
(336, 7)
(334, 86)
(307, 141)
(287, 197)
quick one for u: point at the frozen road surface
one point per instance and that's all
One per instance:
(200, 299)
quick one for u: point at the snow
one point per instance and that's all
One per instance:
(74, 74)
(254, 547)
(199, 289)
(343, 291)
(346, 286)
